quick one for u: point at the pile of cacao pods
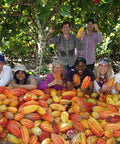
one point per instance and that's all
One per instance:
(58, 117)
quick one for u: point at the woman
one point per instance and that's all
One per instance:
(23, 79)
(51, 81)
(103, 72)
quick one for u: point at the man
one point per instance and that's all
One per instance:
(90, 41)
(82, 70)
(66, 44)
(5, 72)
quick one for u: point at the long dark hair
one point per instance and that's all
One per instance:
(25, 79)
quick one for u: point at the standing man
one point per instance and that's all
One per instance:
(66, 44)
(5, 72)
(90, 41)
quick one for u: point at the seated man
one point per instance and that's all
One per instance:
(5, 72)
(82, 70)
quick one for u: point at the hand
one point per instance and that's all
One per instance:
(84, 90)
(82, 35)
(56, 81)
(114, 87)
(86, 26)
(59, 82)
(14, 85)
(51, 30)
(106, 88)
(96, 27)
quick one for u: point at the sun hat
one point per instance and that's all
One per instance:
(80, 59)
(20, 67)
(104, 60)
(2, 59)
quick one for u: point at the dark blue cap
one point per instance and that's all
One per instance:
(80, 59)
(2, 59)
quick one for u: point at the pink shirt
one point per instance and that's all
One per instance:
(90, 43)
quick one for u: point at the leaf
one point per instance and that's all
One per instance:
(9, 2)
(24, 19)
(63, 13)
(64, 7)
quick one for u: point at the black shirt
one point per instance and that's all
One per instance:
(87, 72)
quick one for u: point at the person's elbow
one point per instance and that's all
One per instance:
(33, 86)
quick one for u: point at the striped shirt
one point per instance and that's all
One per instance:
(90, 43)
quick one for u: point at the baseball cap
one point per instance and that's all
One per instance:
(2, 59)
(80, 59)
(104, 60)
(20, 67)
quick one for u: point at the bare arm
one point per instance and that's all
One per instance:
(32, 84)
(70, 85)
(57, 81)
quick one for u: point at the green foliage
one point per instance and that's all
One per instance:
(19, 33)
(110, 45)
(44, 70)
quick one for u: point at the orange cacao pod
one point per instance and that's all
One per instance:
(8, 93)
(33, 139)
(24, 134)
(57, 139)
(95, 127)
(13, 129)
(86, 81)
(57, 75)
(76, 79)
(2, 89)
(27, 123)
(33, 116)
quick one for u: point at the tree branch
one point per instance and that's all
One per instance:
(20, 15)
(55, 10)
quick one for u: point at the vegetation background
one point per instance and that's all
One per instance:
(24, 26)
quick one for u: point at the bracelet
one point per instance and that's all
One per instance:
(48, 85)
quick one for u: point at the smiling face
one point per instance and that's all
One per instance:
(103, 68)
(66, 29)
(80, 67)
(90, 26)
(58, 68)
(20, 75)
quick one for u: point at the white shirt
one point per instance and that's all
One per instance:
(6, 75)
(117, 79)
(96, 85)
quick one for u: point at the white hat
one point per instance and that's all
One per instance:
(20, 67)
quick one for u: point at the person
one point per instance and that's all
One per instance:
(82, 70)
(5, 72)
(52, 82)
(117, 80)
(103, 72)
(66, 44)
(90, 41)
(23, 79)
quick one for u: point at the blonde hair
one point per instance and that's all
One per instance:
(108, 74)
(54, 64)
